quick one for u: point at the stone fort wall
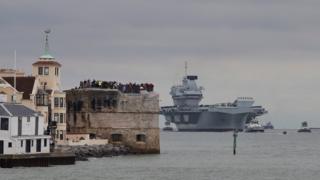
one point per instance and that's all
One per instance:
(129, 119)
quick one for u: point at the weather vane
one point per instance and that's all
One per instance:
(46, 47)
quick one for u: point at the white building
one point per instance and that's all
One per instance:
(41, 92)
(22, 130)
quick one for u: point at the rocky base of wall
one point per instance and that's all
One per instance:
(82, 153)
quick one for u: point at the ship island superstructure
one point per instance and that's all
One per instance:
(188, 115)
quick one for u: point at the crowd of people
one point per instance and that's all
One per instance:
(124, 88)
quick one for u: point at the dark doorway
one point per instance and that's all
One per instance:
(38, 145)
(28, 145)
(1, 147)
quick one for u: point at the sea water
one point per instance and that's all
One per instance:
(200, 155)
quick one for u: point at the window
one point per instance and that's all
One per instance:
(56, 102)
(21, 142)
(116, 137)
(45, 142)
(10, 145)
(61, 135)
(42, 99)
(141, 138)
(61, 102)
(79, 105)
(46, 71)
(56, 117)
(99, 103)
(2, 82)
(75, 118)
(3, 97)
(28, 119)
(61, 118)
(56, 71)
(83, 116)
(40, 70)
(92, 136)
(57, 134)
(93, 103)
(31, 142)
(4, 124)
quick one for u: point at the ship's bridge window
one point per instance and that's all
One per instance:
(141, 138)
(116, 137)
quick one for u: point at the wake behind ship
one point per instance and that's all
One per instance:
(188, 115)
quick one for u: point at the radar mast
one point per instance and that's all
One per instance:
(186, 68)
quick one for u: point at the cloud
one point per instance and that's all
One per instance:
(266, 49)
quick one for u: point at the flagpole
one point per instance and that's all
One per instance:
(15, 76)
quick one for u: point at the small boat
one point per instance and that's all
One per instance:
(268, 125)
(254, 126)
(167, 127)
(304, 127)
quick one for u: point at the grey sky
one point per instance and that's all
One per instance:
(266, 49)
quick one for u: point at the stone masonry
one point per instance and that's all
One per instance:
(129, 119)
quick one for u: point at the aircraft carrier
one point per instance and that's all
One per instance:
(188, 115)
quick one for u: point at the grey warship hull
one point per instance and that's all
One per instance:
(218, 120)
(208, 121)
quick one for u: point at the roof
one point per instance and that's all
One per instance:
(46, 56)
(23, 84)
(11, 71)
(46, 62)
(46, 91)
(19, 109)
(3, 112)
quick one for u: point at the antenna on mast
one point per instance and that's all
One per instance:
(186, 68)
